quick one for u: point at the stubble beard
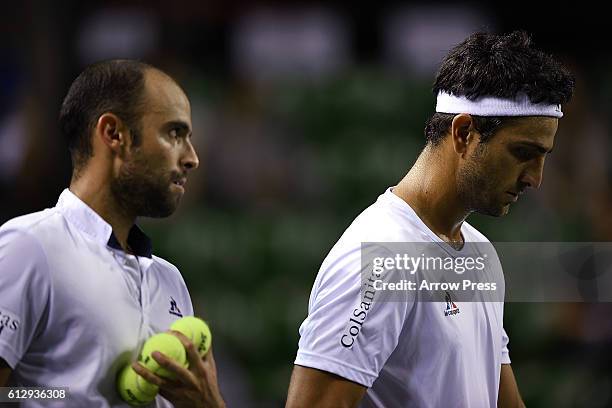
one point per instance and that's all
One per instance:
(142, 190)
(475, 188)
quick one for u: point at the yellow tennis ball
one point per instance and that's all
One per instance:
(166, 344)
(196, 330)
(134, 389)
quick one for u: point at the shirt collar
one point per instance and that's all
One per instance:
(89, 222)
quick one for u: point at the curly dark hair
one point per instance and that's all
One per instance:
(502, 66)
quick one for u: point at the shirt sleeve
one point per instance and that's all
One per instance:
(505, 357)
(24, 292)
(349, 331)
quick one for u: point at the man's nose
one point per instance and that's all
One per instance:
(189, 160)
(532, 177)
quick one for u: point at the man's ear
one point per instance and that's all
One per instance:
(111, 131)
(462, 132)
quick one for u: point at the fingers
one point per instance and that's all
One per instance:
(192, 353)
(149, 376)
(209, 359)
(198, 384)
(182, 374)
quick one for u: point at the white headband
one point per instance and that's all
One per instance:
(494, 106)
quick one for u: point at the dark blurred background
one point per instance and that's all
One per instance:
(303, 114)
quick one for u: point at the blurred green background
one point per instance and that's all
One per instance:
(303, 114)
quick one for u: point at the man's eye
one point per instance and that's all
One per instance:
(523, 154)
(174, 133)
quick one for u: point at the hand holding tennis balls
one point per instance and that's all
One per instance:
(167, 344)
(196, 330)
(133, 388)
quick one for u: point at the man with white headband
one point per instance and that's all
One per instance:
(498, 106)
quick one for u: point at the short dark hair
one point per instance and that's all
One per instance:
(115, 86)
(502, 66)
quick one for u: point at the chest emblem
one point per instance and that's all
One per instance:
(174, 309)
(451, 308)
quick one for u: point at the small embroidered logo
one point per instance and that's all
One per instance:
(174, 308)
(451, 307)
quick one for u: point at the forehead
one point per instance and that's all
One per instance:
(537, 129)
(164, 99)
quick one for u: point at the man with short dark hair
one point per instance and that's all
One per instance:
(80, 290)
(498, 105)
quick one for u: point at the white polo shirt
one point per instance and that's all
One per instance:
(408, 353)
(74, 307)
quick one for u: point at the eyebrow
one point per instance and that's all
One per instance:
(183, 126)
(540, 148)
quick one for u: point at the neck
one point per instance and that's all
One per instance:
(430, 190)
(97, 194)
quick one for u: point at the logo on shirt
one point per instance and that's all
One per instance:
(174, 310)
(8, 322)
(359, 315)
(451, 307)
